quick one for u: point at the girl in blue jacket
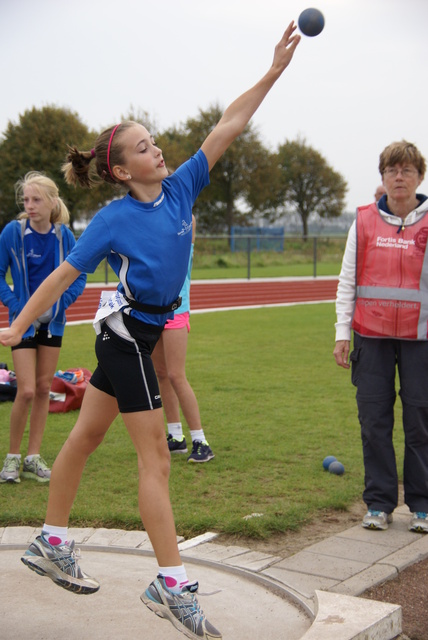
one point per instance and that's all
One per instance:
(32, 247)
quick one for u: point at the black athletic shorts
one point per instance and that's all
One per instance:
(41, 337)
(125, 369)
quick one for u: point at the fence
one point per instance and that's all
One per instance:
(222, 256)
(257, 238)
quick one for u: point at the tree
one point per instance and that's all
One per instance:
(142, 117)
(307, 184)
(39, 143)
(217, 207)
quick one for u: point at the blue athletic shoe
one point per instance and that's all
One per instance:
(59, 563)
(175, 445)
(201, 452)
(181, 609)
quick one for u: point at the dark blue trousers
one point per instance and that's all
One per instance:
(375, 363)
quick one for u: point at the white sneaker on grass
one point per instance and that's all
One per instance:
(10, 471)
(36, 469)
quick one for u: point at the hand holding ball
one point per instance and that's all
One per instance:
(311, 22)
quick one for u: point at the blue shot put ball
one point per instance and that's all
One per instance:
(327, 462)
(311, 22)
(337, 468)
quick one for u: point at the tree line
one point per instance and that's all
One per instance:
(249, 185)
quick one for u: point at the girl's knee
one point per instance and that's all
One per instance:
(43, 387)
(25, 394)
(158, 462)
(84, 443)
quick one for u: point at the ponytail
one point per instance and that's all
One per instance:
(107, 153)
(76, 169)
(60, 213)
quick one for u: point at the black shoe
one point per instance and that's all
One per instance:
(176, 446)
(201, 452)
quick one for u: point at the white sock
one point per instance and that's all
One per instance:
(54, 535)
(14, 455)
(175, 577)
(30, 458)
(175, 429)
(198, 435)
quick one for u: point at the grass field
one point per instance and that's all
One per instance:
(273, 404)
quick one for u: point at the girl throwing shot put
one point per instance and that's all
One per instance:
(146, 237)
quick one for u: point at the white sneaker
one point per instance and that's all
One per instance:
(377, 520)
(10, 471)
(36, 469)
(419, 522)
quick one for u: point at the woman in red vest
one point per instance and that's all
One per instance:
(383, 297)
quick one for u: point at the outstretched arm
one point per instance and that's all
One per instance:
(46, 295)
(238, 114)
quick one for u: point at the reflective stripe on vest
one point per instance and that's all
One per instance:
(392, 257)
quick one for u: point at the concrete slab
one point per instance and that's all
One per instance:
(18, 535)
(370, 577)
(79, 534)
(209, 536)
(408, 555)
(104, 537)
(215, 552)
(303, 584)
(397, 535)
(359, 550)
(252, 561)
(133, 539)
(321, 565)
(347, 618)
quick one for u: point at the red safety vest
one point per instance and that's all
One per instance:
(392, 278)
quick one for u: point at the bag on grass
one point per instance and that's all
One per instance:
(67, 390)
(7, 383)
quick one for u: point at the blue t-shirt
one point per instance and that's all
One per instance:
(147, 244)
(40, 254)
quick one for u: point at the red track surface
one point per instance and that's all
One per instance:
(213, 295)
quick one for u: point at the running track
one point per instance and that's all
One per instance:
(220, 294)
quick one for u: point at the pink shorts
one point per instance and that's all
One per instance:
(180, 320)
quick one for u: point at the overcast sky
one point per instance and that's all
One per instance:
(349, 92)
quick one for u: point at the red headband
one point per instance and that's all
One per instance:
(108, 149)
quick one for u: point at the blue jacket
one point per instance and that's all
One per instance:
(12, 255)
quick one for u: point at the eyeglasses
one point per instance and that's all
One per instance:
(406, 172)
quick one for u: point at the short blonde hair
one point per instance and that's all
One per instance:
(48, 191)
(402, 153)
